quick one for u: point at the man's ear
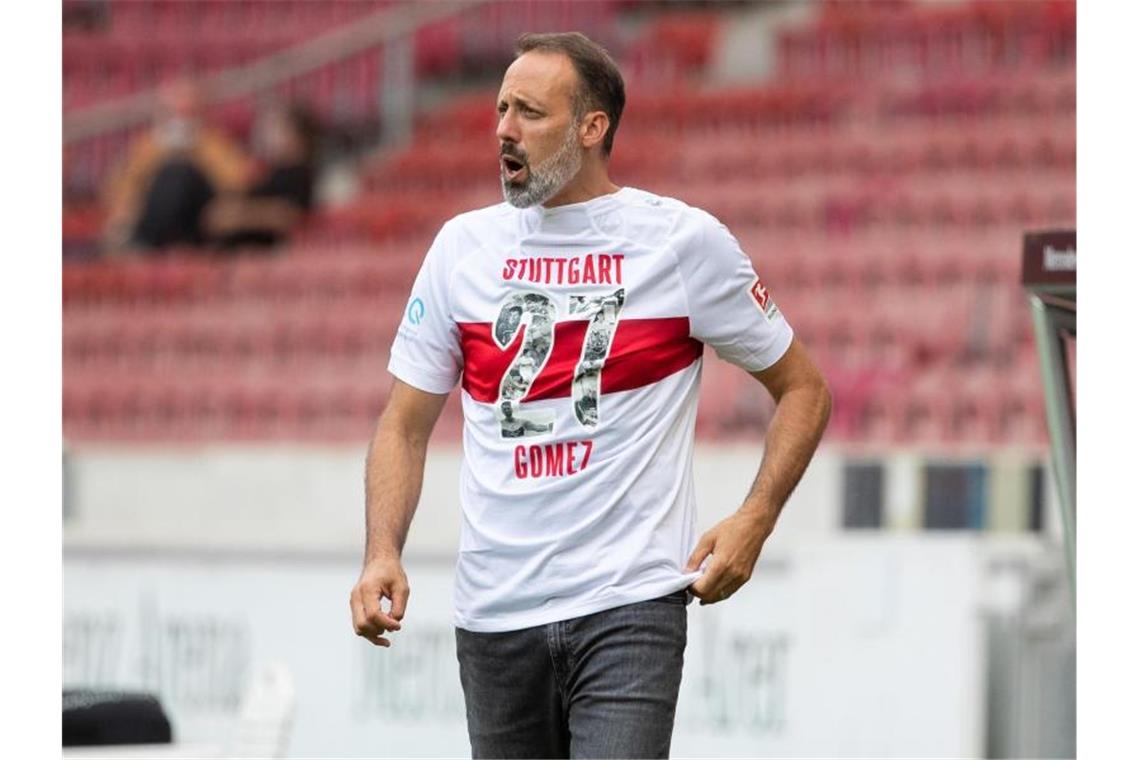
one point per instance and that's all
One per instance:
(594, 128)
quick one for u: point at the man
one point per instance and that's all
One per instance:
(578, 551)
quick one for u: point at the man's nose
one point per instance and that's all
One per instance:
(508, 129)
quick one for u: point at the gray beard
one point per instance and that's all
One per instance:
(546, 179)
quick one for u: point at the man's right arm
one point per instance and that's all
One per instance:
(393, 477)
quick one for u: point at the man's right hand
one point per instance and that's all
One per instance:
(380, 578)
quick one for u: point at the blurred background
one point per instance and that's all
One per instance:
(249, 188)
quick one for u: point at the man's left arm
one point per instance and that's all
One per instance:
(803, 406)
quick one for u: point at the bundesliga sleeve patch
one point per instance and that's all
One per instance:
(763, 299)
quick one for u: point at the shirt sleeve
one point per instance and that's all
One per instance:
(426, 353)
(730, 309)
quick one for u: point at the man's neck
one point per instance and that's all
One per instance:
(588, 184)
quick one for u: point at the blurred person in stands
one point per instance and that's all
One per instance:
(287, 138)
(156, 198)
(578, 553)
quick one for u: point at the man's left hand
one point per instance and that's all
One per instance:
(734, 544)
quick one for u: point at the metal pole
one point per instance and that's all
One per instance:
(1047, 323)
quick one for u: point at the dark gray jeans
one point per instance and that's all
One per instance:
(601, 685)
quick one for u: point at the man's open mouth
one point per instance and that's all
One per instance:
(512, 167)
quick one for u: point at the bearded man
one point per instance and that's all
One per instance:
(578, 554)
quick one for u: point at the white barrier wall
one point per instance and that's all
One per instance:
(292, 498)
(843, 648)
(314, 499)
(187, 571)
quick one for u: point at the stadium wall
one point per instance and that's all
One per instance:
(187, 571)
(838, 647)
(282, 499)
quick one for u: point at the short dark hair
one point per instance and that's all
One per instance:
(600, 86)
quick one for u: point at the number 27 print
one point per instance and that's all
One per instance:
(539, 314)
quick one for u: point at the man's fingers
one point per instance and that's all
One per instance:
(379, 641)
(715, 595)
(719, 597)
(359, 619)
(721, 591)
(380, 579)
(368, 619)
(703, 549)
(383, 622)
(704, 586)
(399, 601)
(373, 612)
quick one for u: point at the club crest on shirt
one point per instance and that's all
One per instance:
(763, 299)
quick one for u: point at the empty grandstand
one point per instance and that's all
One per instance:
(883, 199)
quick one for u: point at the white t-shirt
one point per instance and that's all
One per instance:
(578, 332)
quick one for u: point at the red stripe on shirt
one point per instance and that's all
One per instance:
(643, 352)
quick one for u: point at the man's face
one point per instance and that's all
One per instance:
(539, 147)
